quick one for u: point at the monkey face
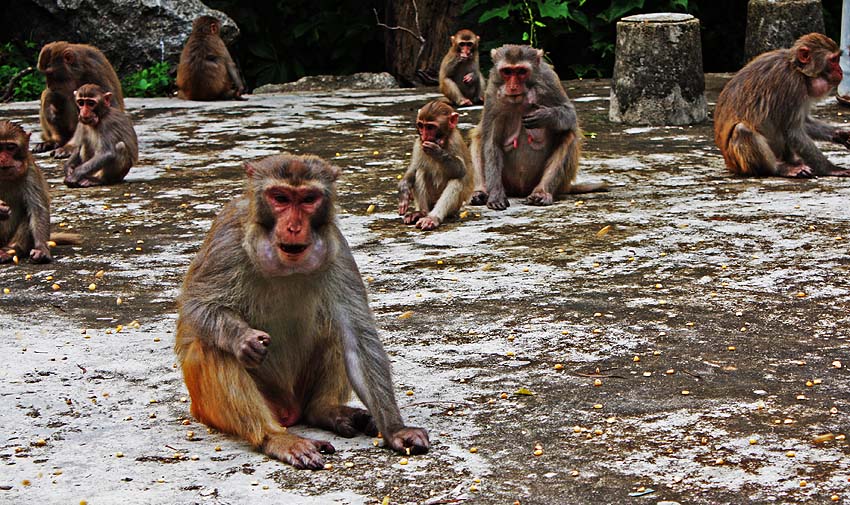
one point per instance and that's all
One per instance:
(514, 77)
(12, 161)
(88, 111)
(430, 131)
(465, 49)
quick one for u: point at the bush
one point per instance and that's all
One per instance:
(149, 82)
(15, 57)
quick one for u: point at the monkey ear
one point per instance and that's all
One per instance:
(493, 53)
(213, 28)
(333, 171)
(539, 56)
(452, 38)
(249, 170)
(477, 40)
(453, 119)
(68, 56)
(804, 55)
(107, 99)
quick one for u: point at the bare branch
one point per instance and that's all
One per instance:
(418, 36)
(14, 80)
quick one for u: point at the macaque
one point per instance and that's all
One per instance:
(274, 327)
(206, 70)
(528, 140)
(105, 143)
(762, 122)
(460, 77)
(439, 178)
(24, 201)
(66, 67)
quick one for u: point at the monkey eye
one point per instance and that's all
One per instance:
(465, 44)
(82, 102)
(420, 125)
(282, 198)
(521, 71)
(8, 146)
(310, 198)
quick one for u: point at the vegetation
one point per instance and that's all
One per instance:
(149, 82)
(14, 58)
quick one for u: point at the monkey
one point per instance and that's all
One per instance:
(762, 121)
(206, 71)
(527, 142)
(274, 326)
(105, 143)
(66, 67)
(439, 178)
(24, 201)
(460, 77)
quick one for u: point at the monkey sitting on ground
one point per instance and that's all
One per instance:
(439, 178)
(274, 327)
(66, 67)
(762, 122)
(460, 76)
(105, 143)
(24, 201)
(528, 140)
(206, 70)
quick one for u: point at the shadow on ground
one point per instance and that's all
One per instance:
(692, 354)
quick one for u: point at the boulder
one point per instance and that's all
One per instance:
(132, 33)
(362, 80)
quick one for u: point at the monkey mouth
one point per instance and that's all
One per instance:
(90, 121)
(293, 249)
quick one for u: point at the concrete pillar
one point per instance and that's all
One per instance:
(658, 77)
(776, 24)
(844, 87)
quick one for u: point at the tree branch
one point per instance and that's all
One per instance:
(417, 36)
(14, 80)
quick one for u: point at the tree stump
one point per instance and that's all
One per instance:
(776, 24)
(658, 77)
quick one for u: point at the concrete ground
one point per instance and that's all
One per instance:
(696, 353)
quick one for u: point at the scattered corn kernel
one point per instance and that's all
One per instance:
(370, 209)
(402, 461)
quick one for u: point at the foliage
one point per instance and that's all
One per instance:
(15, 57)
(586, 29)
(149, 82)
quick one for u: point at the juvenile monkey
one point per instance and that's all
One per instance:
(762, 122)
(206, 70)
(460, 76)
(66, 67)
(105, 143)
(274, 327)
(24, 201)
(528, 140)
(439, 178)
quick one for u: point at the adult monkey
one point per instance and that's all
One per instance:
(762, 121)
(206, 70)
(460, 76)
(272, 315)
(66, 67)
(528, 140)
(439, 179)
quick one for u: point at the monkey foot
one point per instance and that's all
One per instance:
(497, 203)
(302, 453)
(428, 223)
(796, 171)
(413, 217)
(540, 198)
(479, 198)
(409, 440)
(839, 173)
(40, 255)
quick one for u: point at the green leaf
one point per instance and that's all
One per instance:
(525, 36)
(556, 9)
(498, 12)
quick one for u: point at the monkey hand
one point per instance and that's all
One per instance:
(40, 254)
(537, 118)
(252, 348)
(409, 440)
(498, 200)
(465, 102)
(540, 197)
(842, 137)
(478, 198)
(404, 196)
(468, 78)
(5, 211)
(428, 223)
(433, 149)
(302, 453)
(412, 217)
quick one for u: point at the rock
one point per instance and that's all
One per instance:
(362, 80)
(132, 33)
(776, 24)
(658, 77)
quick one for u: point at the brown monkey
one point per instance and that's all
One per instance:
(66, 67)
(762, 123)
(439, 178)
(528, 140)
(105, 144)
(24, 201)
(206, 70)
(273, 315)
(460, 77)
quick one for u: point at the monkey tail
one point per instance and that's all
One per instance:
(587, 187)
(66, 238)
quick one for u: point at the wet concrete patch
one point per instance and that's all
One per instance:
(712, 315)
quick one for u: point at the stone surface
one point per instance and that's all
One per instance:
(700, 274)
(776, 24)
(657, 78)
(132, 33)
(361, 80)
